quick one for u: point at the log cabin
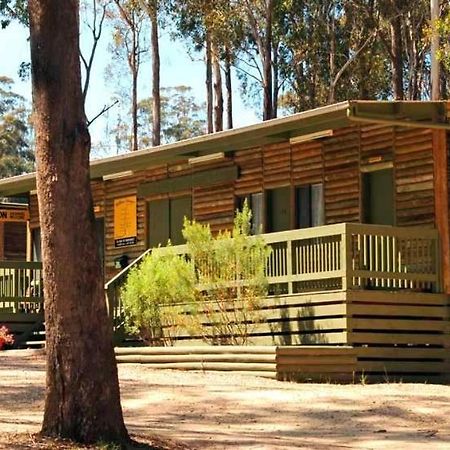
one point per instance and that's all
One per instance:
(352, 197)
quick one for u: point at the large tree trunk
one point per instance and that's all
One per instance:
(156, 93)
(209, 86)
(218, 101)
(82, 396)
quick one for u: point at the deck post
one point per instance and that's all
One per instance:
(346, 257)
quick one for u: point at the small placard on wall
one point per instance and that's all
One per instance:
(125, 221)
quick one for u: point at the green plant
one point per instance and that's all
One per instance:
(155, 294)
(230, 271)
(6, 337)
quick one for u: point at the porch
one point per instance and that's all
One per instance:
(371, 293)
(373, 289)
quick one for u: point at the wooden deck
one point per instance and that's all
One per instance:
(352, 300)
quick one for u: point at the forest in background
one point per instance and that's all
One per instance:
(287, 55)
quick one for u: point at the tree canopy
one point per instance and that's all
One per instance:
(16, 155)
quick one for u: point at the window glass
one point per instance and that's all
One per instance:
(317, 205)
(309, 206)
(36, 236)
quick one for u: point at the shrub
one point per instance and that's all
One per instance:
(230, 270)
(6, 337)
(154, 294)
(213, 292)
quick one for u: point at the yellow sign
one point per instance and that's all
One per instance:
(125, 221)
(14, 215)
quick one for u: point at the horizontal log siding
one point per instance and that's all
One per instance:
(251, 177)
(414, 177)
(307, 163)
(342, 178)
(335, 161)
(214, 205)
(98, 195)
(276, 165)
(34, 211)
(15, 239)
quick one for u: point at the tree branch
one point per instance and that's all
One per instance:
(103, 111)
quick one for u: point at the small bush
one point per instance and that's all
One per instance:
(213, 292)
(154, 294)
(230, 270)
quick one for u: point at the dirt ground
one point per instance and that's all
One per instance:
(226, 411)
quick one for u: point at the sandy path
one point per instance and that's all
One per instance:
(223, 411)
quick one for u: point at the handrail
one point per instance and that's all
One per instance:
(113, 286)
(336, 257)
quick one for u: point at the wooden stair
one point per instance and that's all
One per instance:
(255, 360)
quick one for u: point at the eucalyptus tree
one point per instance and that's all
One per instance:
(129, 22)
(182, 117)
(82, 390)
(16, 154)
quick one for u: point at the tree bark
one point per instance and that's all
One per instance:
(267, 65)
(218, 100)
(134, 76)
(209, 86)
(156, 92)
(229, 91)
(397, 55)
(82, 396)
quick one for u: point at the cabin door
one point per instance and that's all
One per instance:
(378, 197)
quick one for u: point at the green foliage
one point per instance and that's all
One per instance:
(16, 156)
(153, 295)
(181, 116)
(215, 293)
(13, 10)
(230, 270)
(443, 28)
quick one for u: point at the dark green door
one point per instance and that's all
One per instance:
(158, 223)
(179, 209)
(278, 209)
(378, 197)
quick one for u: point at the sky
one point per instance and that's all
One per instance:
(177, 68)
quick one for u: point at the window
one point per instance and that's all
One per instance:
(165, 220)
(309, 206)
(36, 238)
(255, 203)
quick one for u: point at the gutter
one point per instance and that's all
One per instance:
(354, 116)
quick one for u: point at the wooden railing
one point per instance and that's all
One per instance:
(354, 256)
(113, 288)
(21, 287)
(336, 257)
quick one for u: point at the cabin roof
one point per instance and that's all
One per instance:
(422, 114)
